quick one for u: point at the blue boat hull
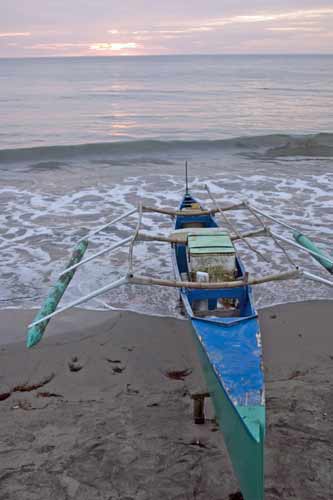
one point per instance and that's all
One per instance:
(231, 356)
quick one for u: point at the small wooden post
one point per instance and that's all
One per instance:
(199, 407)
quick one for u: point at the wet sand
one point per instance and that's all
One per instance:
(111, 425)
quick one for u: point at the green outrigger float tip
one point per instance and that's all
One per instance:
(322, 258)
(35, 333)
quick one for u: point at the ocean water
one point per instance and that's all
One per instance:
(83, 139)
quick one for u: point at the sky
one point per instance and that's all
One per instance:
(39, 28)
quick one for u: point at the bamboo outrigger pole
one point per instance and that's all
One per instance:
(181, 238)
(193, 285)
(196, 285)
(189, 212)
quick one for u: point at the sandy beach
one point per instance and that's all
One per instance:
(92, 413)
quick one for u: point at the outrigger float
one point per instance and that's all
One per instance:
(216, 292)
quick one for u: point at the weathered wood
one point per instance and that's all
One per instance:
(160, 237)
(146, 280)
(181, 239)
(249, 234)
(190, 213)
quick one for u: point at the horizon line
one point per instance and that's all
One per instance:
(113, 56)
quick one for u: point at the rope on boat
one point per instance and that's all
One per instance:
(269, 233)
(273, 219)
(233, 227)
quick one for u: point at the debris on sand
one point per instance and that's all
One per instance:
(178, 374)
(32, 387)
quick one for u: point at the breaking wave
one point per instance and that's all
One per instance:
(273, 145)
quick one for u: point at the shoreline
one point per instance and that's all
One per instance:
(119, 428)
(16, 332)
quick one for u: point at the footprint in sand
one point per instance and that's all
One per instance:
(74, 365)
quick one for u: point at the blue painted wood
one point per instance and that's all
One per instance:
(235, 356)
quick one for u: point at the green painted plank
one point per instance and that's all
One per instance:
(207, 244)
(214, 240)
(307, 243)
(35, 333)
(209, 250)
(204, 230)
(243, 430)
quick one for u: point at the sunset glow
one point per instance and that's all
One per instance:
(208, 29)
(113, 46)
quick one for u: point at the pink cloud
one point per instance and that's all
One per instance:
(10, 35)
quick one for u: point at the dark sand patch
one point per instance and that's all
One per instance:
(101, 433)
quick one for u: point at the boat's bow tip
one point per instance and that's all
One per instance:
(254, 420)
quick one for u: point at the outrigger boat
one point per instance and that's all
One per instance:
(216, 293)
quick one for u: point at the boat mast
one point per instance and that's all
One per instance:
(186, 179)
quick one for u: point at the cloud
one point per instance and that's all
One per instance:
(268, 17)
(174, 31)
(55, 46)
(10, 35)
(239, 29)
(117, 46)
(309, 29)
(275, 21)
